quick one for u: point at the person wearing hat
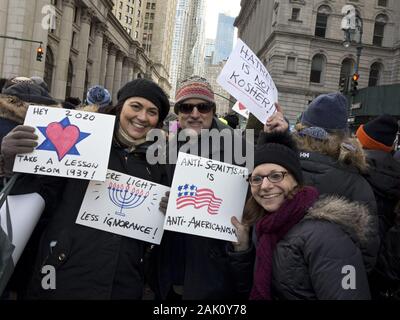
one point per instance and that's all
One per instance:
(90, 263)
(333, 161)
(191, 267)
(98, 95)
(377, 138)
(302, 242)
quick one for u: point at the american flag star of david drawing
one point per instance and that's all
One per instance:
(191, 195)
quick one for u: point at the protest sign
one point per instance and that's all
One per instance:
(246, 78)
(73, 144)
(25, 211)
(201, 201)
(124, 205)
(241, 109)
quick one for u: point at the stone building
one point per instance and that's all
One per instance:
(300, 43)
(84, 45)
(222, 97)
(151, 23)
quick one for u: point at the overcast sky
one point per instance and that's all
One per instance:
(213, 8)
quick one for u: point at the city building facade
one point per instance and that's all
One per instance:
(300, 43)
(84, 44)
(188, 45)
(224, 40)
(222, 97)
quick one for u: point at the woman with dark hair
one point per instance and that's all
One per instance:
(90, 263)
(306, 247)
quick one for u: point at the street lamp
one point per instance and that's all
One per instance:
(352, 26)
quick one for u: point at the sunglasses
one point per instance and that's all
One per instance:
(201, 107)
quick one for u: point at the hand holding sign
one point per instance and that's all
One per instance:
(246, 78)
(277, 122)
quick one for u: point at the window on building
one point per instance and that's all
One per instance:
(137, 23)
(49, 68)
(147, 15)
(119, 15)
(153, 6)
(148, 4)
(136, 34)
(382, 3)
(128, 8)
(53, 2)
(144, 36)
(346, 70)
(317, 68)
(150, 26)
(152, 16)
(374, 74)
(379, 29)
(322, 21)
(146, 26)
(295, 13)
(138, 13)
(290, 64)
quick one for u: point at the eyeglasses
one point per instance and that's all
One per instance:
(274, 177)
(201, 107)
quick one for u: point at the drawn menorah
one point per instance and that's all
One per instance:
(126, 197)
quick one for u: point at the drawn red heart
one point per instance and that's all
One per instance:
(241, 106)
(63, 139)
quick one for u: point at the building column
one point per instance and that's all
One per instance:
(117, 75)
(130, 70)
(3, 26)
(64, 48)
(125, 71)
(104, 59)
(81, 62)
(97, 54)
(109, 83)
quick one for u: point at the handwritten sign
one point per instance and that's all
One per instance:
(124, 205)
(205, 194)
(73, 144)
(241, 109)
(246, 78)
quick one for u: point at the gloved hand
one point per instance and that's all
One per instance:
(164, 203)
(21, 139)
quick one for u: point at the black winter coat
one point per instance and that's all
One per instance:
(201, 265)
(90, 263)
(331, 177)
(312, 261)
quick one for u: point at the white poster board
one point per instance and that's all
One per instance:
(124, 205)
(73, 144)
(25, 211)
(241, 109)
(245, 77)
(205, 194)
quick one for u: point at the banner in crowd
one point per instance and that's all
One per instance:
(25, 211)
(241, 109)
(205, 194)
(72, 144)
(124, 205)
(245, 77)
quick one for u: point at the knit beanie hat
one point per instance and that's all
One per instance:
(146, 89)
(40, 82)
(30, 92)
(98, 95)
(327, 111)
(194, 87)
(379, 133)
(279, 148)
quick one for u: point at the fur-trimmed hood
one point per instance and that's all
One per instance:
(352, 217)
(14, 109)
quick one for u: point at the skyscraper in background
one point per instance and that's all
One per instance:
(209, 51)
(188, 44)
(224, 40)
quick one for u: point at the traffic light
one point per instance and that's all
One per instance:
(354, 84)
(344, 84)
(39, 53)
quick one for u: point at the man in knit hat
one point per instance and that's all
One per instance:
(377, 138)
(195, 104)
(186, 265)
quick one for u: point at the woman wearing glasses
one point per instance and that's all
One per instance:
(306, 247)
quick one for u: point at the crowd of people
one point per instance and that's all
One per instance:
(323, 204)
